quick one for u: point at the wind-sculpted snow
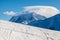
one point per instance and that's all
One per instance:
(15, 31)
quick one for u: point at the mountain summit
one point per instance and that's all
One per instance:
(40, 16)
(27, 18)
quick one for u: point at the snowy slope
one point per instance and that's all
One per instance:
(15, 31)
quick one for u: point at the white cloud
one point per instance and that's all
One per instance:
(11, 13)
(46, 11)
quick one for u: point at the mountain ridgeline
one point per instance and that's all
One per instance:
(27, 18)
(52, 23)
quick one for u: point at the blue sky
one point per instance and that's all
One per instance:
(17, 5)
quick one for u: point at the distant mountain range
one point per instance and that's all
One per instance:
(51, 23)
(38, 20)
(27, 18)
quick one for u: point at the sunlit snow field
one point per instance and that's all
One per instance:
(15, 31)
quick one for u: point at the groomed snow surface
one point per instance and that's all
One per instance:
(15, 31)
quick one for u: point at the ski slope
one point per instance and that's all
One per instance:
(15, 31)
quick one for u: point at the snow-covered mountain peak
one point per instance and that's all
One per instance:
(27, 18)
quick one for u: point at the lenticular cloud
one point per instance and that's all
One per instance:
(47, 11)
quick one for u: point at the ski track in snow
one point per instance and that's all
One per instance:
(15, 31)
